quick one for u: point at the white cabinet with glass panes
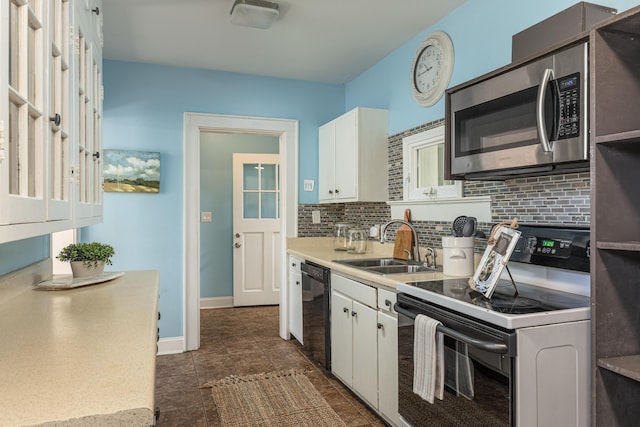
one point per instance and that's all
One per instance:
(39, 119)
(87, 99)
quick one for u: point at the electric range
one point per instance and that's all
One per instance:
(521, 351)
(549, 266)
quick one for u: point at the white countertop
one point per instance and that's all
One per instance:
(320, 250)
(83, 356)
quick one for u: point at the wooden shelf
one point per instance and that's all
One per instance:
(629, 137)
(619, 246)
(627, 366)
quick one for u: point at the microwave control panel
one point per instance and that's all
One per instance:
(568, 106)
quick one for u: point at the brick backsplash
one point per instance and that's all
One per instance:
(558, 199)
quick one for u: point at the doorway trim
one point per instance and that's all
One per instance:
(194, 124)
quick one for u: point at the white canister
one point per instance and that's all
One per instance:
(457, 255)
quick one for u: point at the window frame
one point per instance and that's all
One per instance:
(410, 147)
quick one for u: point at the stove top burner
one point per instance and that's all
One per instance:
(530, 299)
(506, 304)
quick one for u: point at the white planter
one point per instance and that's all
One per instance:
(80, 270)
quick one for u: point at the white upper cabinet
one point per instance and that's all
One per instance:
(87, 155)
(353, 157)
(40, 118)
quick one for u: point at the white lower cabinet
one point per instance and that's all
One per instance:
(388, 357)
(364, 343)
(295, 298)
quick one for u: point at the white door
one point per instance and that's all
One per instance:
(256, 229)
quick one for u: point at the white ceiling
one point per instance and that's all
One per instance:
(329, 41)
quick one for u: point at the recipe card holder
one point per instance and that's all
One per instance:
(500, 245)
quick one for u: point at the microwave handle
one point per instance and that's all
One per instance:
(542, 126)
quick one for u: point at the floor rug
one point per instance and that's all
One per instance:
(282, 399)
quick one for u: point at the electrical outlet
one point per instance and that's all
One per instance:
(315, 217)
(205, 217)
(308, 184)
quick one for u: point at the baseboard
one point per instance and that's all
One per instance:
(170, 345)
(216, 302)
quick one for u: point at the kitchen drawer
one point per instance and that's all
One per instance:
(355, 290)
(386, 300)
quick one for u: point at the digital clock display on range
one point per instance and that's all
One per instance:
(548, 243)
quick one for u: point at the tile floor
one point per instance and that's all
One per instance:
(240, 341)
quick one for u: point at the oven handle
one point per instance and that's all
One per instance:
(493, 347)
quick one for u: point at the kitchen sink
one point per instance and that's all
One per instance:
(372, 262)
(387, 266)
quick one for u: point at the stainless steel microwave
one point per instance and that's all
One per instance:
(531, 119)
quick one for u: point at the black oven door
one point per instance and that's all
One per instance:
(491, 353)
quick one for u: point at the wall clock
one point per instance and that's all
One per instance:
(432, 68)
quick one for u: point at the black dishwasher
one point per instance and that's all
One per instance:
(316, 297)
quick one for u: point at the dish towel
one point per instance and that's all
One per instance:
(428, 359)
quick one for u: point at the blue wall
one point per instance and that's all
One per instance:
(216, 196)
(21, 253)
(481, 32)
(143, 110)
(144, 106)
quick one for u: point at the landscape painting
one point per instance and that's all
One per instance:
(127, 171)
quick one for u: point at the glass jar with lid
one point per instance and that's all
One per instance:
(357, 243)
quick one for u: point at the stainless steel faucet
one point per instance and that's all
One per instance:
(430, 253)
(416, 248)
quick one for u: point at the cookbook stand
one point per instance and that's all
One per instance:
(500, 245)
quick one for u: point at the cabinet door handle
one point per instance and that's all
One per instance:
(330, 191)
(380, 326)
(298, 282)
(56, 119)
(354, 314)
(387, 303)
(293, 264)
(237, 245)
(337, 191)
(345, 310)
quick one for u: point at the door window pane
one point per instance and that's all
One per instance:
(269, 205)
(251, 176)
(250, 205)
(269, 177)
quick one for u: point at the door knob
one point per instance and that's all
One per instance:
(237, 235)
(237, 245)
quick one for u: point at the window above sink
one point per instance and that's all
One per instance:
(425, 191)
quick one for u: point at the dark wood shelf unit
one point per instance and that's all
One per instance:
(616, 78)
(615, 225)
(619, 246)
(629, 366)
(629, 137)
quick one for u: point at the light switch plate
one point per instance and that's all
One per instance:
(315, 217)
(308, 184)
(205, 216)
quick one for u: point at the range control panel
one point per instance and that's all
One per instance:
(554, 246)
(549, 247)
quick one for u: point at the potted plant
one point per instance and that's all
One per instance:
(87, 259)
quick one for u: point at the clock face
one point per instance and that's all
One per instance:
(427, 71)
(432, 69)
